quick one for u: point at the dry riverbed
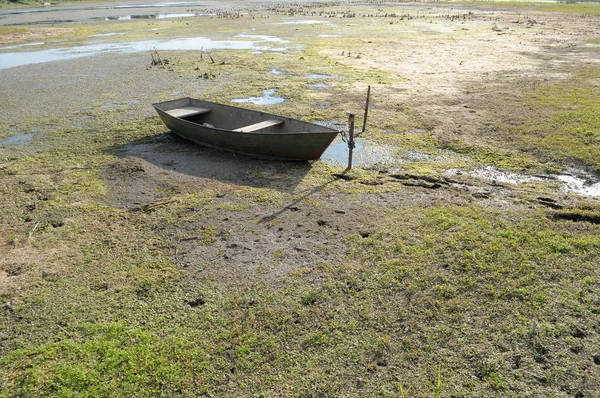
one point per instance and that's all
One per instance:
(458, 257)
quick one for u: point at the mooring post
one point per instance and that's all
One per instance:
(350, 139)
(366, 109)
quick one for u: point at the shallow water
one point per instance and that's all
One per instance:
(306, 22)
(154, 5)
(38, 43)
(492, 174)
(268, 98)
(13, 59)
(265, 38)
(365, 153)
(18, 140)
(581, 185)
(148, 16)
(113, 18)
(46, 13)
(108, 34)
(320, 76)
(35, 10)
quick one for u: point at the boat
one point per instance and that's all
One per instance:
(255, 133)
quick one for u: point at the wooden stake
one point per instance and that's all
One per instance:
(350, 139)
(366, 109)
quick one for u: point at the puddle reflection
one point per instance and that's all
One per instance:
(365, 153)
(320, 76)
(18, 140)
(268, 98)
(584, 186)
(13, 59)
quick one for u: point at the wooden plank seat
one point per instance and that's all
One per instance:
(259, 126)
(187, 111)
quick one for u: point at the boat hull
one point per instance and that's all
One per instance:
(290, 139)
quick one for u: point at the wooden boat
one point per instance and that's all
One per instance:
(246, 131)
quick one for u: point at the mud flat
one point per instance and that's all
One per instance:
(457, 258)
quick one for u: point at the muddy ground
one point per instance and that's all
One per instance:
(443, 78)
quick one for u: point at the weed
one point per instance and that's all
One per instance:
(403, 392)
(437, 385)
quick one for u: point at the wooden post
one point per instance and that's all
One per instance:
(350, 139)
(366, 109)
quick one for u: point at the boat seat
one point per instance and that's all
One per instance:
(259, 126)
(187, 111)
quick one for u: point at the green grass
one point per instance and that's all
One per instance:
(408, 301)
(562, 121)
(11, 30)
(538, 126)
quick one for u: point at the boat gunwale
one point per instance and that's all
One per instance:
(331, 131)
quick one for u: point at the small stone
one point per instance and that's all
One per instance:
(597, 358)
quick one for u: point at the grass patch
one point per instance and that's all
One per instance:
(502, 295)
(558, 7)
(4, 30)
(562, 121)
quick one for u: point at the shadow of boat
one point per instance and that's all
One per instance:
(150, 167)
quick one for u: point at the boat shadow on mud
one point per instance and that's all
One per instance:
(163, 164)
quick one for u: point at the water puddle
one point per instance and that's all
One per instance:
(44, 16)
(268, 98)
(163, 16)
(148, 16)
(319, 86)
(36, 10)
(263, 38)
(581, 185)
(494, 175)
(365, 153)
(154, 5)
(39, 43)
(275, 71)
(109, 34)
(306, 22)
(18, 140)
(320, 76)
(13, 59)
(110, 18)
